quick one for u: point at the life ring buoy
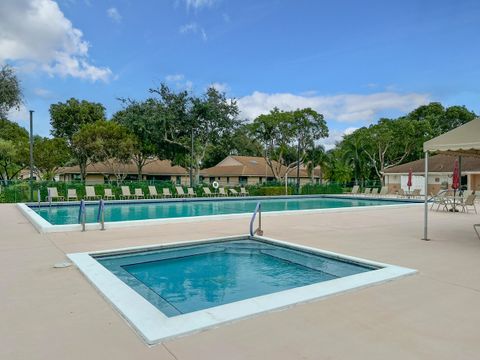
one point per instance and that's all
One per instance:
(215, 185)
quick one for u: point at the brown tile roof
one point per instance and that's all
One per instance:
(155, 167)
(436, 163)
(247, 166)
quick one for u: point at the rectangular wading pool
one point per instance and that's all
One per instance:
(170, 290)
(64, 216)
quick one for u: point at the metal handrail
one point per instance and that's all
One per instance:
(101, 214)
(82, 215)
(259, 231)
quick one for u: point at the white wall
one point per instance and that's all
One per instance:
(418, 182)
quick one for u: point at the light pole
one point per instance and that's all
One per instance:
(31, 155)
(191, 157)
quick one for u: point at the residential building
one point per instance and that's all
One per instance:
(98, 173)
(250, 170)
(440, 170)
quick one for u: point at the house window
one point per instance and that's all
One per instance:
(243, 180)
(179, 180)
(212, 179)
(260, 179)
(228, 180)
(76, 177)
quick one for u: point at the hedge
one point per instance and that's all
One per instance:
(20, 191)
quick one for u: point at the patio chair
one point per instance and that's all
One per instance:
(108, 195)
(191, 192)
(166, 193)
(72, 195)
(152, 190)
(233, 192)
(126, 194)
(415, 193)
(401, 193)
(207, 192)
(354, 190)
(139, 193)
(367, 191)
(383, 191)
(475, 228)
(221, 192)
(243, 192)
(180, 192)
(469, 201)
(53, 194)
(90, 193)
(374, 192)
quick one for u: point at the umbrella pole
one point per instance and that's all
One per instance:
(425, 215)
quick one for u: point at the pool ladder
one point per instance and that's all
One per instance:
(258, 230)
(82, 215)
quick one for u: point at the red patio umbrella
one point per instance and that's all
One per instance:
(456, 176)
(409, 181)
(455, 183)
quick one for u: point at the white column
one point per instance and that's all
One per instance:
(425, 216)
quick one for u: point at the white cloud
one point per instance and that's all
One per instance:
(44, 93)
(221, 87)
(36, 35)
(179, 81)
(197, 4)
(349, 108)
(21, 115)
(335, 136)
(114, 14)
(193, 28)
(174, 77)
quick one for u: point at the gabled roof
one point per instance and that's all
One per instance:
(462, 140)
(235, 165)
(436, 163)
(154, 167)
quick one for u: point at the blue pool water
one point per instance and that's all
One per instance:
(184, 279)
(124, 211)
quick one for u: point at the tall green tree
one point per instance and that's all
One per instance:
(13, 149)
(315, 157)
(281, 131)
(66, 120)
(49, 156)
(142, 119)
(10, 91)
(106, 142)
(207, 119)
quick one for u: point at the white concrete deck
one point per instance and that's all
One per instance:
(49, 313)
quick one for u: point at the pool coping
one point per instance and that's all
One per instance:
(43, 226)
(154, 327)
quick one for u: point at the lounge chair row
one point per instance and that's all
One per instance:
(90, 193)
(370, 191)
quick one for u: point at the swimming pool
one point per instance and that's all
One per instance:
(65, 214)
(173, 289)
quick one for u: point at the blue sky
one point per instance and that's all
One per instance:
(352, 60)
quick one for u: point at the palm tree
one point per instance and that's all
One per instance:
(314, 157)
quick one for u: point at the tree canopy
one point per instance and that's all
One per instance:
(10, 91)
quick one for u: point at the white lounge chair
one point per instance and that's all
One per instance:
(180, 192)
(233, 192)
(191, 192)
(53, 194)
(221, 192)
(139, 193)
(166, 193)
(207, 192)
(90, 193)
(367, 191)
(354, 190)
(126, 194)
(152, 190)
(383, 191)
(72, 195)
(108, 195)
(243, 192)
(374, 192)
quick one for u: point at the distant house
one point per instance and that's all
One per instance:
(98, 173)
(250, 170)
(440, 170)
